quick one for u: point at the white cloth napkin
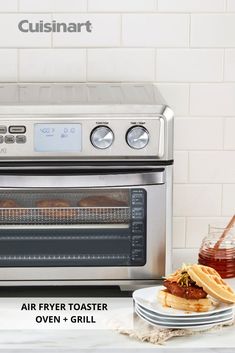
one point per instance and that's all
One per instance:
(148, 333)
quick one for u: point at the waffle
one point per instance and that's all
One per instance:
(195, 305)
(212, 283)
(100, 201)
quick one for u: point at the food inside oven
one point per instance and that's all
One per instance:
(78, 227)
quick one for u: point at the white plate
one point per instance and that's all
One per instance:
(187, 318)
(181, 322)
(147, 297)
(194, 327)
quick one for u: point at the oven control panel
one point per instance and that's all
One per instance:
(12, 134)
(77, 138)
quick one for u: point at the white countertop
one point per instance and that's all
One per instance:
(96, 340)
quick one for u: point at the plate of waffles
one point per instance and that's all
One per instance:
(147, 298)
(191, 291)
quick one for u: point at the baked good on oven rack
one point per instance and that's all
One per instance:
(53, 203)
(12, 210)
(55, 208)
(9, 203)
(100, 201)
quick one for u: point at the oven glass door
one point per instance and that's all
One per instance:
(73, 227)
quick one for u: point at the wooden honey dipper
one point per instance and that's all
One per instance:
(225, 232)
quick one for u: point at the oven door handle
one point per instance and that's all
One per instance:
(76, 181)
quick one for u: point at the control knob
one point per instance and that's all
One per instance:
(102, 137)
(137, 137)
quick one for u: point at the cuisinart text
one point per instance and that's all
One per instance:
(26, 26)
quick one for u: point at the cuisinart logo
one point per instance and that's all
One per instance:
(26, 26)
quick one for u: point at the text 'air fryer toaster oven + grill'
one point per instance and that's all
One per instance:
(85, 185)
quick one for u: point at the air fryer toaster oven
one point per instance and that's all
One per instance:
(85, 185)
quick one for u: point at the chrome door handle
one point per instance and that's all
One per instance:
(76, 181)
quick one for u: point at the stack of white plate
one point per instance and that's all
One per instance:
(150, 310)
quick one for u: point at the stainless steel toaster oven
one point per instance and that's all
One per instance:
(85, 185)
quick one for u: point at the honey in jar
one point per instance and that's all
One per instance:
(219, 253)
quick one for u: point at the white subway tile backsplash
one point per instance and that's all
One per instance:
(8, 6)
(212, 167)
(228, 201)
(229, 65)
(212, 99)
(197, 200)
(8, 65)
(121, 64)
(11, 36)
(155, 30)
(213, 30)
(191, 5)
(229, 134)
(178, 232)
(197, 229)
(121, 5)
(105, 31)
(184, 65)
(231, 5)
(195, 134)
(52, 5)
(180, 256)
(51, 65)
(180, 167)
(177, 96)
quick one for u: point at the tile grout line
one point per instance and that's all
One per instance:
(204, 150)
(149, 12)
(133, 47)
(156, 6)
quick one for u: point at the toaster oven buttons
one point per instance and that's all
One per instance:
(102, 137)
(20, 139)
(137, 137)
(9, 139)
(3, 129)
(17, 129)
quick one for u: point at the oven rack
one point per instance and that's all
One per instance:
(65, 257)
(65, 237)
(65, 216)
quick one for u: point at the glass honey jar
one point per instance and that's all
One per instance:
(218, 252)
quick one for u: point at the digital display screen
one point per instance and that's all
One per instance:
(57, 137)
